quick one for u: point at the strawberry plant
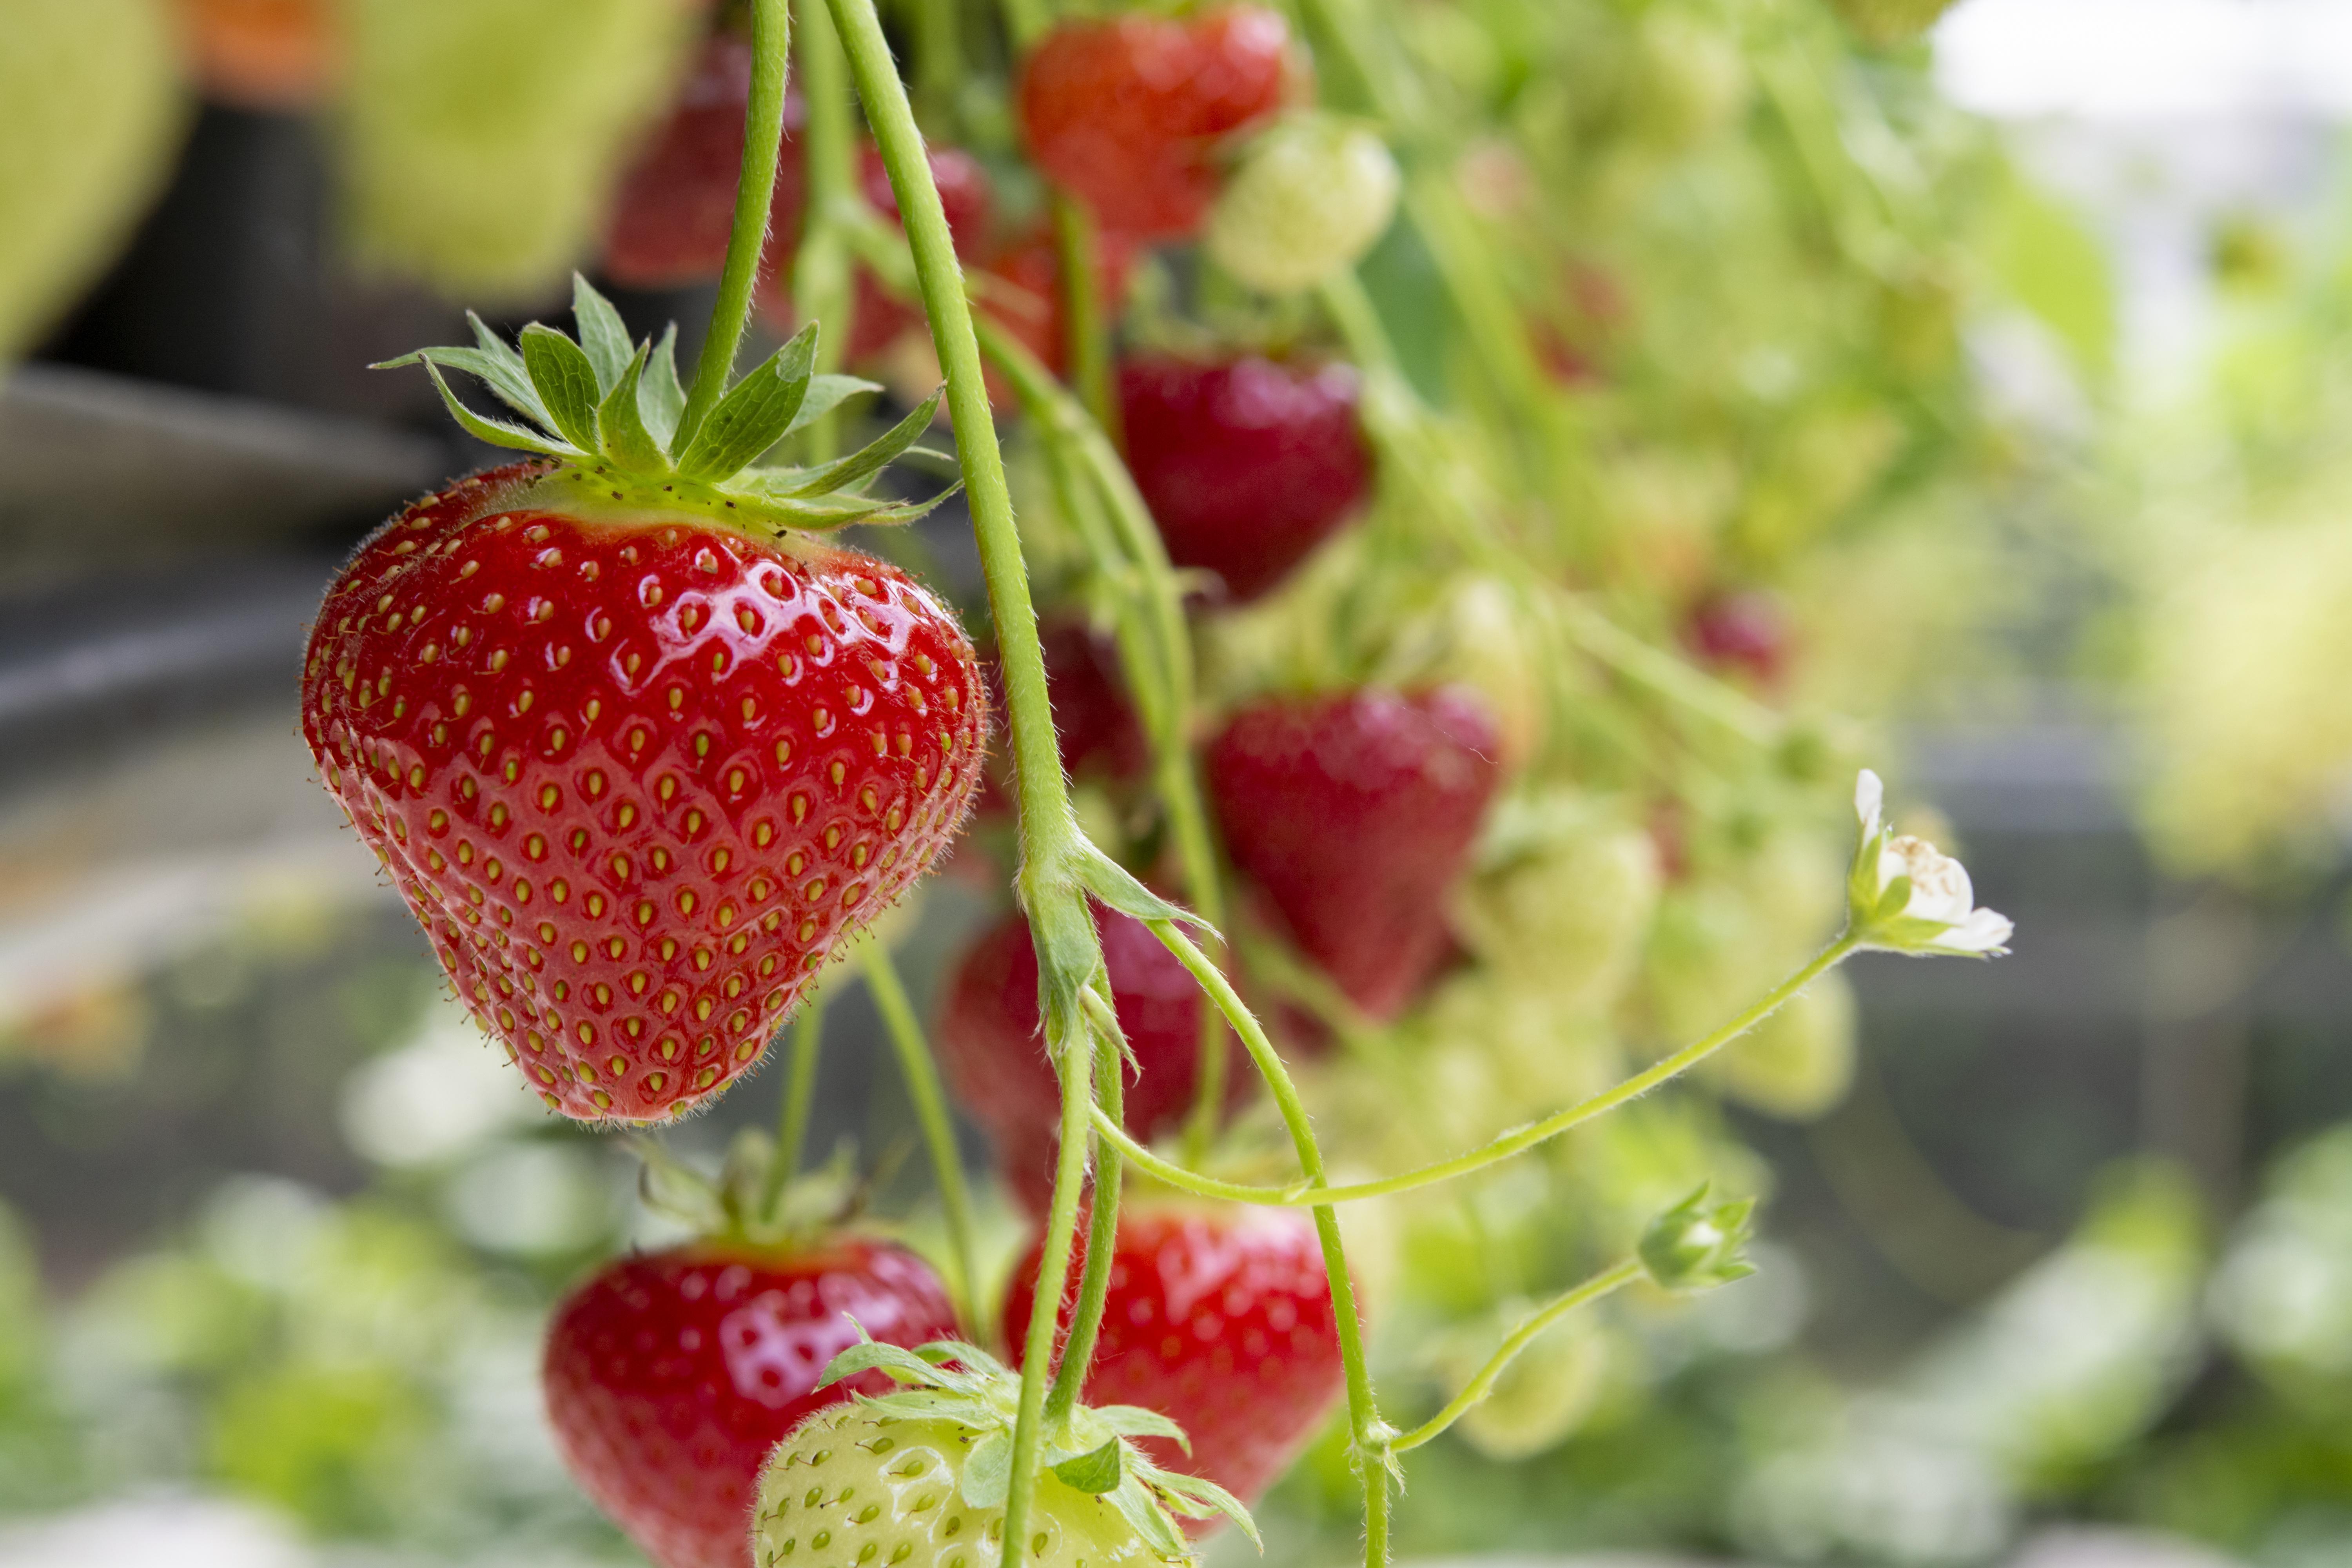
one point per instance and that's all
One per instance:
(1460, 826)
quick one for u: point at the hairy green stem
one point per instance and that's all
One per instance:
(1478, 1387)
(1086, 342)
(800, 1094)
(1371, 1433)
(1053, 849)
(821, 287)
(1102, 1231)
(755, 188)
(1312, 1194)
(922, 1076)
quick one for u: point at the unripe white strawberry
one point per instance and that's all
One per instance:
(1310, 198)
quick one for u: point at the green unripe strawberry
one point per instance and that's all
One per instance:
(919, 1477)
(1548, 1391)
(1308, 199)
(1563, 901)
(482, 138)
(90, 111)
(1799, 1063)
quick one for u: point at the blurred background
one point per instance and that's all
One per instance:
(2058, 1265)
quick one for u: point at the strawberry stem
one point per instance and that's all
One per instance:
(755, 188)
(1371, 1433)
(1054, 851)
(800, 1094)
(821, 267)
(1604, 1283)
(1310, 1194)
(1102, 1232)
(922, 1076)
(1086, 345)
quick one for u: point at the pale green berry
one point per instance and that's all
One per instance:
(482, 138)
(90, 112)
(1544, 1397)
(1798, 1063)
(1311, 195)
(852, 1489)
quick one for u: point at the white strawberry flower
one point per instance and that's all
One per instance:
(1905, 895)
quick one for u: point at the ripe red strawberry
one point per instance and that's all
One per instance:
(1128, 113)
(637, 751)
(1221, 1318)
(1354, 814)
(670, 1376)
(1246, 464)
(993, 1048)
(1741, 629)
(676, 205)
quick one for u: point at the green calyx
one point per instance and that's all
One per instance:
(736, 1204)
(613, 413)
(1697, 1245)
(1093, 1451)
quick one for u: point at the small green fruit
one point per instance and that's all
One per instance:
(1310, 197)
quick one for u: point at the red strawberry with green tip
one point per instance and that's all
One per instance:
(637, 747)
(1221, 1318)
(1353, 815)
(1247, 464)
(1129, 113)
(670, 1375)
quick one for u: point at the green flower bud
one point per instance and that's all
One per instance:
(1696, 1245)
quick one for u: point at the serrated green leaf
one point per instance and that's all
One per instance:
(826, 393)
(1148, 1520)
(566, 382)
(988, 1471)
(602, 336)
(660, 398)
(1094, 1472)
(497, 432)
(847, 473)
(975, 1360)
(1135, 1421)
(621, 423)
(502, 374)
(1198, 1491)
(1107, 880)
(754, 414)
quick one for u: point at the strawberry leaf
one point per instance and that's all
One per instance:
(621, 426)
(1094, 1472)
(660, 398)
(566, 382)
(871, 1355)
(1196, 1497)
(1142, 1512)
(503, 375)
(826, 393)
(497, 432)
(1135, 1421)
(602, 336)
(754, 414)
(846, 473)
(511, 381)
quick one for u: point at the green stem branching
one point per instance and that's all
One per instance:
(1310, 1193)
(1478, 1387)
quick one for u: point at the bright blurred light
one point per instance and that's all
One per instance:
(442, 1092)
(2139, 59)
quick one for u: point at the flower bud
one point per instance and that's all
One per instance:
(1696, 1245)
